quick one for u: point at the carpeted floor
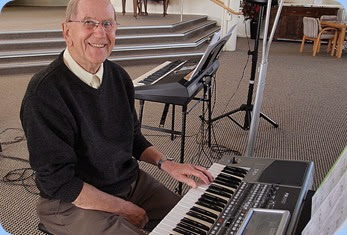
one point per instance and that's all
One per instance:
(305, 95)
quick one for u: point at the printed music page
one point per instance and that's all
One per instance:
(331, 216)
(330, 180)
(329, 204)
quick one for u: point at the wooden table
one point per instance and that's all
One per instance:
(342, 33)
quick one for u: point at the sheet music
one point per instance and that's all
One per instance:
(332, 213)
(215, 39)
(329, 204)
(330, 180)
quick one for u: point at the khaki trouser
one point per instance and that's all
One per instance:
(62, 218)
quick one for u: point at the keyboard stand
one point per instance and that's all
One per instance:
(205, 99)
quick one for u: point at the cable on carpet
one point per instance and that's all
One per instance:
(214, 152)
(22, 176)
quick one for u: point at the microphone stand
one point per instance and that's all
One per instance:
(248, 107)
(262, 77)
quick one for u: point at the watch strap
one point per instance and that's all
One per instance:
(160, 162)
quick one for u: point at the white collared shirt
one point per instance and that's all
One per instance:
(81, 73)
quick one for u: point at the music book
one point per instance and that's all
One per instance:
(329, 203)
(212, 51)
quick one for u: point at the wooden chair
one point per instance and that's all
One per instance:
(330, 18)
(314, 32)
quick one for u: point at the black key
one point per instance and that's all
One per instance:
(209, 205)
(191, 228)
(229, 178)
(200, 216)
(213, 186)
(221, 200)
(244, 171)
(183, 231)
(232, 171)
(218, 192)
(230, 181)
(225, 183)
(203, 211)
(211, 201)
(154, 76)
(195, 223)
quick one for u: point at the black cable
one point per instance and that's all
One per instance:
(238, 84)
(21, 176)
(17, 139)
(215, 151)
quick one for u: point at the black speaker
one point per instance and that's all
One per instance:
(262, 2)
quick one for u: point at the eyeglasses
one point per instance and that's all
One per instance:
(91, 24)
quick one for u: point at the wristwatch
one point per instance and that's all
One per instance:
(160, 162)
(163, 159)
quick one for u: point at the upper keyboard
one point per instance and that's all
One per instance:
(158, 73)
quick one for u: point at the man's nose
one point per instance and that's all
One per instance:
(99, 29)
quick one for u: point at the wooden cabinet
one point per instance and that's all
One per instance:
(290, 23)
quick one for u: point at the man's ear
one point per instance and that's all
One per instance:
(66, 34)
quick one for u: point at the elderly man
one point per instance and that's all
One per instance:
(85, 141)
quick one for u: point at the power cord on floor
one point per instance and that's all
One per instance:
(215, 151)
(24, 177)
(21, 176)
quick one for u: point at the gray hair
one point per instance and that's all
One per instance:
(71, 10)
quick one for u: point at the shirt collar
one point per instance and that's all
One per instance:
(81, 73)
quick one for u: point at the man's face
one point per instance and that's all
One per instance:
(90, 47)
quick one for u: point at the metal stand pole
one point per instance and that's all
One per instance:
(262, 77)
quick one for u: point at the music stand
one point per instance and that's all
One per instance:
(248, 107)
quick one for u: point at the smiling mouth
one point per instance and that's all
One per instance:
(97, 45)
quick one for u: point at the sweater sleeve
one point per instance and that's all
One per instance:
(140, 143)
(50, 138)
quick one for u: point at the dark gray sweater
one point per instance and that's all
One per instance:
(76, 133)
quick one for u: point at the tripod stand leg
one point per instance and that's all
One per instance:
(272, 122)
(227, 114)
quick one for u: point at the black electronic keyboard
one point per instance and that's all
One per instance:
(173, 85)
(158, 73)
(224, 206)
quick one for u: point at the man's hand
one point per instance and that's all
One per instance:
(181, 172)
(92, 198)
(134, 214)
